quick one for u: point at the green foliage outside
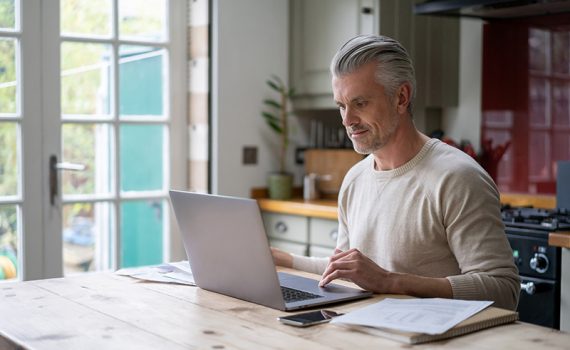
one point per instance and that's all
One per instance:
(8, 159)
(7, 15)
(7, 76)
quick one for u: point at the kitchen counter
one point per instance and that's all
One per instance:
(327, 209)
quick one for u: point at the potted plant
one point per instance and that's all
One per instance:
(279, 183)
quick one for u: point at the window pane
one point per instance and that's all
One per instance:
(88, 144)
(539, 156)
(560, 102)
(142, 19)
(87, 237)
(7, 75)
(8, 242)
(141, 81)
(538, 47)
(7, 14)
(85, 78)
(141, 155)
(560, 52)
(8, 159)
(86, 17)
(141, 232)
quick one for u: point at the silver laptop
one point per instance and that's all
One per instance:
(228, 250)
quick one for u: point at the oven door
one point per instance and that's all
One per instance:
(539, 302)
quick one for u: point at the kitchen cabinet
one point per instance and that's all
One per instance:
(302, 235)
(319, 27)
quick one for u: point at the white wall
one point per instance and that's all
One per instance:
(250, 42)
(464, 122)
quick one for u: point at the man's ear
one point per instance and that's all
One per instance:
(403, 96)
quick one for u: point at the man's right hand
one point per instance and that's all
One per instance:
(282, 258)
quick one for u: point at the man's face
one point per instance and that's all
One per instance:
(368, 115)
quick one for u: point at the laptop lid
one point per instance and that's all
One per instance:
(227, 247)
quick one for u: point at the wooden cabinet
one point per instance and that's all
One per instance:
(301, 235)
(318, 28)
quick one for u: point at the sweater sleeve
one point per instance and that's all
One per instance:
(310, 264)
(476, 236)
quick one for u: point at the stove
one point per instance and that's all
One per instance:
(547, 220)
(539, 264)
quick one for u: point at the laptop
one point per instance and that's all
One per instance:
(229, 253)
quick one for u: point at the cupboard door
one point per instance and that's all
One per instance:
(323, 232)
(290, 228)
(318, 29)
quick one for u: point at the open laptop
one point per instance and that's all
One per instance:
(227, 247)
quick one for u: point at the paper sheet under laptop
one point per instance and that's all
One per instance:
(431, 315)
(174, 272)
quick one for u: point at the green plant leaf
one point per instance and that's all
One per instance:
(291, 92)
(273, 86)
(278, 81)
(272, 103)
(276, 127)
(270, 117)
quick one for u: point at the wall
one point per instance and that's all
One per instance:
(464, 121)
(250, 42)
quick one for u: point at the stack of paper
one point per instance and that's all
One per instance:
(176, 272)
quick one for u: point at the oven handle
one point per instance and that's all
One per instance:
(529, 288)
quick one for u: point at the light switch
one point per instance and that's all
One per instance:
(249, 155)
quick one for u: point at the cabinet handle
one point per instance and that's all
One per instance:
(333, 235)
(366, 10)
(281, 227)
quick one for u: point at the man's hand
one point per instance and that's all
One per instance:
(364, 272)
(358, 268)
(282, 258)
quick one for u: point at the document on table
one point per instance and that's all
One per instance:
(175, 272)
(431, 315)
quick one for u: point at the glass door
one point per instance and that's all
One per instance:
(106, 113)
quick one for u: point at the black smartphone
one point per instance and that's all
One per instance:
(309, 318)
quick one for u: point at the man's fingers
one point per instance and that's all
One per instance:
(341, 254)
(334, 275)
(333, 269)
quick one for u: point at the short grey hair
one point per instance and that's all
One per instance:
(394, 67)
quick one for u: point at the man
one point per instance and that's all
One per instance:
(416, 216)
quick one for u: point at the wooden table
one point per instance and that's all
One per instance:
(107, 311)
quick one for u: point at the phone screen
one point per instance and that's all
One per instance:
(309, 318)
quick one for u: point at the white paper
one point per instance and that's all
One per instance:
(431, 316)
(176, 272)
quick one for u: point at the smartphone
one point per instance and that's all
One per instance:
(309, 318)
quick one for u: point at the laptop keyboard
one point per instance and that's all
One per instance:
(291, 295)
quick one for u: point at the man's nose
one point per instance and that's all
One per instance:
(349, 117)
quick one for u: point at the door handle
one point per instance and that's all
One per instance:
(54, 167)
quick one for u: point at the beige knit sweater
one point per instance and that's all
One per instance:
(437, 215)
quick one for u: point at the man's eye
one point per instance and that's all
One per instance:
(341, 108)
(361, 104)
